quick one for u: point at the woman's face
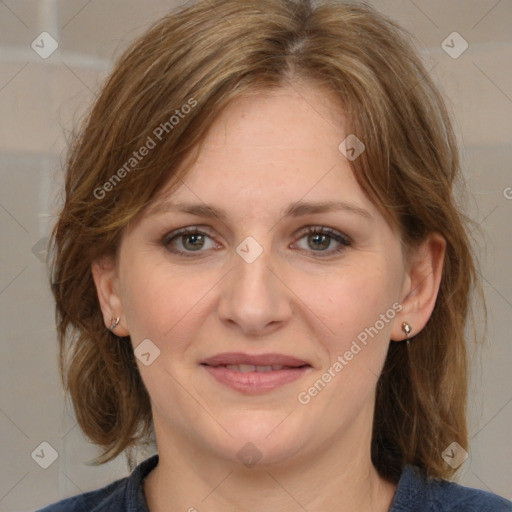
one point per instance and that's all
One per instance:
(297, 271)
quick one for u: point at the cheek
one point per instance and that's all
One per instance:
(158, 303)
(357, 307)
(358, 304)
(351, 299)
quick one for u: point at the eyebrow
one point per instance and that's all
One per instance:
(296, 209)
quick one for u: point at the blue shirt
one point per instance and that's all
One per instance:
(414, 493)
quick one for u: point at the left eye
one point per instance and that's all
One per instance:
(319, 239)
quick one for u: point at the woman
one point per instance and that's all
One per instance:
(260, 261)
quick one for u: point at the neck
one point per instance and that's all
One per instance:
(340, 477)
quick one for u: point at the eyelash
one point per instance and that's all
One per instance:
(342, 239)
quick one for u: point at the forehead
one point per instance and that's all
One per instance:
(273, 138)
(295, 116)
(267, 152)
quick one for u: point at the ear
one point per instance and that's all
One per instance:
(421, 285)
(105, 279)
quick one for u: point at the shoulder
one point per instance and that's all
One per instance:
(417, 492)
(94, 501)
(119, 496)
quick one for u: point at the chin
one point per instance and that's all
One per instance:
(259, 453)
(263, 436)
(260, 426)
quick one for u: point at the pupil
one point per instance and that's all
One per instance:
(194, 239)
(322, 238)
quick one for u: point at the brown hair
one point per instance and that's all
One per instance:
(203, 56)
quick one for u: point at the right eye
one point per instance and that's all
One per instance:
(188, 240)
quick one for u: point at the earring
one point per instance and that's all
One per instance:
(407, 330)
(114, 323)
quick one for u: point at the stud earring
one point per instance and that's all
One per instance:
(114, 323)
(407, 330)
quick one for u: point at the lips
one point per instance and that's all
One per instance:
(253, 374)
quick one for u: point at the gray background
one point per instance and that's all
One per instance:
(42, 99)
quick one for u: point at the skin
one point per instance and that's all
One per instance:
(298, 298)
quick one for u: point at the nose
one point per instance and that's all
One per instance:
(254, 297)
